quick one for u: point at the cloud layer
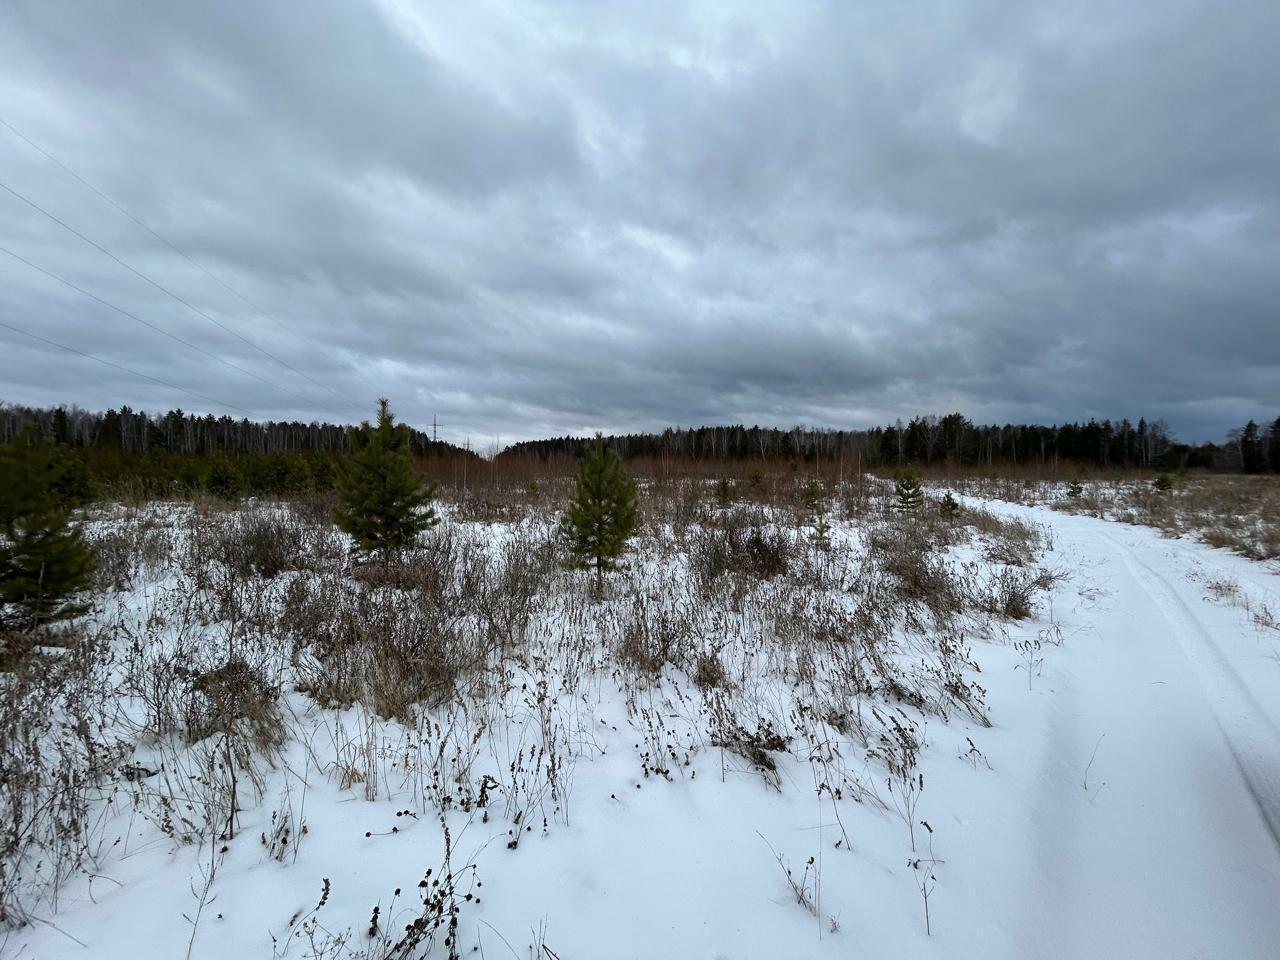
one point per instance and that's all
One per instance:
(531, 219)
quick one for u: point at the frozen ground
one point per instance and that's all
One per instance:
(1124, 802)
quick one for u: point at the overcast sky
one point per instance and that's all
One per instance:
(531, 219)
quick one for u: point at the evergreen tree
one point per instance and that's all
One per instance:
(908, 490)
(812, 495)
(724, 492)
(949, 506)
(1252, 453)
(821, 532)
(43, 559)
(602, 515)
(1273, 447)
(222, 479)
(381, 502)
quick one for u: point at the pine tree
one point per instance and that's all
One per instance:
(812, 495)
(1252, 455)
(381, 502)
(949, 506)
(1273, 446)
(724, 492)
(907, 487)
(44, 561)
(602, 515)
(821, 531)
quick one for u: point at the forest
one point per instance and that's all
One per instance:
(127, 451)
(952, 439)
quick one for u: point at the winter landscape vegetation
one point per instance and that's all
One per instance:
(362, 596)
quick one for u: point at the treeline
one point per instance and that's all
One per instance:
(1256, 449)
(124, 451)
(135, 431)
(930, 440)
(162, 454)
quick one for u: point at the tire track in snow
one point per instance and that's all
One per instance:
(1250, 735)
(1259, 583)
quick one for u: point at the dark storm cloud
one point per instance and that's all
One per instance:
(533, 219)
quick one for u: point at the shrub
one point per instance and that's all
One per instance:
(235, 695)
(709, 672)
(905, 553)
(751, 550)
(56, 760)
(258, 544)
(649, 642)
(389, 650)
(44, 561)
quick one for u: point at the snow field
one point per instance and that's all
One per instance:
(635, 776)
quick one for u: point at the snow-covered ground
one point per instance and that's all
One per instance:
(1123, 802)
(1169, 846)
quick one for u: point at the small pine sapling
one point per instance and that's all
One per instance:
(724, 492)
(602, 515)
(44, 561)
(949, 506)
(813, 496)
(908, 490)
(821, 532)
(382, 503)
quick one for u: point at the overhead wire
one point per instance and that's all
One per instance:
(168, 243)
(147, 323)
(119, 366)
(196, 310)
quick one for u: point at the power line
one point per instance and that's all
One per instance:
(168, 243)
(112, 363)
(167, 291)
(155, 327)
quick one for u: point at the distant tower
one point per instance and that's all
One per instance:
(435, 430)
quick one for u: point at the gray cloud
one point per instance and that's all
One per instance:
(545, 218)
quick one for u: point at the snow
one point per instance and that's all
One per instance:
(1124, 803)
(1171, 850)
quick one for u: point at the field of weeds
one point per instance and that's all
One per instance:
(1230, 511)
(247, 702)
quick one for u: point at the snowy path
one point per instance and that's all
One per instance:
(1171, 848)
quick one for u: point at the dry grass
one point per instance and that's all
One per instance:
(1238, 513)
(456, 677)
